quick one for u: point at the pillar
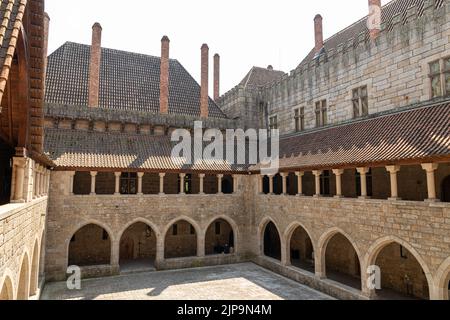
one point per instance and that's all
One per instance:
(338, 173)
(284, 178)
(235, 183)
(19, 167)
(71, 179)
(93, 176)
(182, 176)
(37, 182)
(140, 175)
(430, 168)
(161, 187)
(271, 185)
(363, 176)
(159, 249)
(42, 186)
(393, 170)
(317, 174)
(202, 180)
(117, 183)
(219, 183)
(300, 183)
(260, 184)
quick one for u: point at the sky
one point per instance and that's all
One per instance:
(245, 33)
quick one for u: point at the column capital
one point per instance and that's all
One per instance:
(201, 175)
(94, 173)
(220, 176)
(117, 174)
(338, 172)
(20, 162)
(393, 169)
(72, 173)
(363, 170)
(182, 175)
(317, 172)
(299, 173)
(162, 175)
(429, 167)
(140, 174)
(284, 174)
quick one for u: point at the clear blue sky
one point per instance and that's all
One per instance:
(244, 32)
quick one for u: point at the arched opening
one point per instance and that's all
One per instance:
(180, 241)
(35, 270)
(266, 185)
(301, 250)
(90, 246)
(24, 280)
(401, 274)
(6, 292)
(342, 262)
(272, 242)
(137, 248)
(277, 184)
(445, 197)
(220, 238)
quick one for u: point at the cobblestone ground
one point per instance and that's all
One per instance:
(233, 282)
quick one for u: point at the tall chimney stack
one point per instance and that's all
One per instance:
(374, 18)
(164, 81)
(216, 77)
(94, 66)
(318, 33)
(204, 97)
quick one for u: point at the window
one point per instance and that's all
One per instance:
(299, 117)
(360, 102)
(128, 183)
(217, 228)
(273, 123)
(440, 77)
(321, 113)
(325, 183)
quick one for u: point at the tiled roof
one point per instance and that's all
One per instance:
(389, 11)
(416, 134)
(257, 77)
(11, 14)
(128, 81)
(85, 149)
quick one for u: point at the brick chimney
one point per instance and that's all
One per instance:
(204, 98)
(374, 18)
(164, 81)
(318, 33)
(216, 77)
(94, 66)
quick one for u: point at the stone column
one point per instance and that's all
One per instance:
(140, 176)
(219, 183)
(317, 174)
(393, 170)
(159, 248)
(338, 173)
(202, 180)
(161, 186)
(71, 179)
(93, 176)
(42, 186)
(363, 174)
(430, 168)
(182, 176)
(235, 183)
(117, 183)
(271, 185)
(284, 178)
(300, 183)
(260, 184)
(19, 167)
(37, 182)
(200, 245)
(46, 181)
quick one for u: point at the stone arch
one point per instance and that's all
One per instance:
(382, 243)
(290, 231)
(107, 256)
(263, 238)
(138, 242)
(234, 229)
(34, 277)
(183, 248)
(7, 286)
(23, 286)
(442, 281)
(350, 277)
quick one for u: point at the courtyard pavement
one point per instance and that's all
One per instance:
(244, 281)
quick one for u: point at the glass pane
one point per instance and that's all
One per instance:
(324, 117)
(364, 91)
(133, 188)
(436, 86)
(318, 119)
(355, 94)
(302, 111)
(447, 64)
(435, 67)
(356, 108)
(365, 106)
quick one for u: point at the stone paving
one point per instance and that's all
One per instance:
(245, 281)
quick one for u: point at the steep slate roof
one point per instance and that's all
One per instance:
(128, 81)
(84, 149)
(11, 15)
(416, 134)
(257, 77)
(389, 11)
